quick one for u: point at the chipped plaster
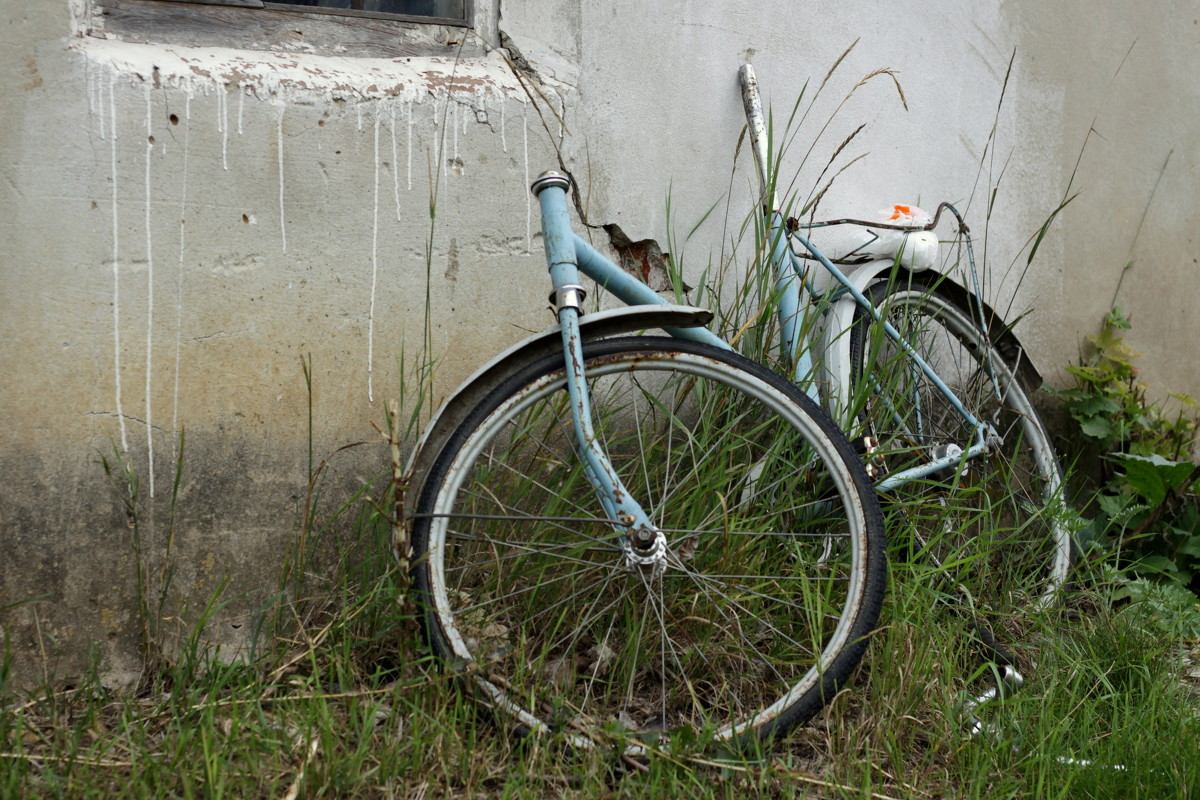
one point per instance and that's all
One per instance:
(305, 77)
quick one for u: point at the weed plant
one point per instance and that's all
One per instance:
(342, 704)
(330, 711)
(1146, 509)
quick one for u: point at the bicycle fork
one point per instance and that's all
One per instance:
(644, 544)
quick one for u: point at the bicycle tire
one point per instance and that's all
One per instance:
(528, 594)
(995, 526)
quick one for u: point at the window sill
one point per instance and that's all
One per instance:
(304, 77)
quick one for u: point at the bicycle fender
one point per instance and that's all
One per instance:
(473, 390)
(834, 333)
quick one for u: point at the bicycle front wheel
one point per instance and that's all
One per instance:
(771, 582)
(996, 524)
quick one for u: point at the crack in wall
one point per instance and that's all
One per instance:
(644, 259)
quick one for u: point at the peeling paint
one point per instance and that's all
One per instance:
(305, 77)
(451, 273)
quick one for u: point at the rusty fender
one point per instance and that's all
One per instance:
(599, 325)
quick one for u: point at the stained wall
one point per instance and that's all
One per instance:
(206, 246)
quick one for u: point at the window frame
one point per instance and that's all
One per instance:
(263, 25)
(464, 22)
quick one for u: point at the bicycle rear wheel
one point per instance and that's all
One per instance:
(774, 572)
(995, 525)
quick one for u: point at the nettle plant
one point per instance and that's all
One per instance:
(1148, 506)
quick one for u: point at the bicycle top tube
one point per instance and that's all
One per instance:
(569, 252)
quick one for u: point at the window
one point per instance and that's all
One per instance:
(442, 11)
(366, 28)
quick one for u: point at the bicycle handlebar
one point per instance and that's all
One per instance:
(752, 103)
(962, 224)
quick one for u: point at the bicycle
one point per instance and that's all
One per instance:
(642, 535)
(923, 369)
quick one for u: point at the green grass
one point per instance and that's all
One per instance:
(346, 705)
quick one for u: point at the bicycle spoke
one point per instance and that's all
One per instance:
(578, 627)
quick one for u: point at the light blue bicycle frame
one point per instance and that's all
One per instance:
(563, 258)
(795, 344)
(567, 254)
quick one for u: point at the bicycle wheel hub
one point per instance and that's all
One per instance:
(646, 548)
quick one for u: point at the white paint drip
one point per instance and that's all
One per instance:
(223, 125)
(282, 216)
(94, 95)
(270, 76)
(528, 194)
(395, 162)
(100, 108)
(187, 132)
(149, 296)
(457, 113)
(503, 138)
(116, 253)
(374, 274)
(439, 120)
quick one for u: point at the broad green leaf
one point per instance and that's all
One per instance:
(1144, 479)
(1116, 318)
(1113, 505)
(1155, 565)
(1096, 428)
(1153, 476)
(1091, 404)
(1191, 547)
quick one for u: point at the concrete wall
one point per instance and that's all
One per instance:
(186, 226)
